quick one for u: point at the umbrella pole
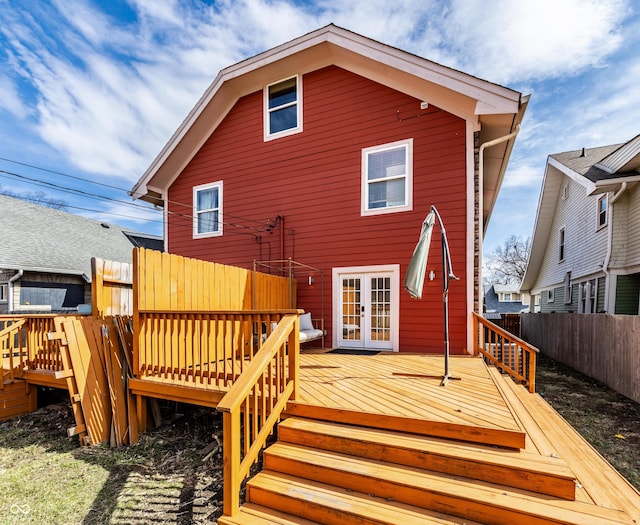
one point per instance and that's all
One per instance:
(445, 302)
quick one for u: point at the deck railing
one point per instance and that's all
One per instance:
(254, 404)
(506, 351)
(212, 348)
(24, 345)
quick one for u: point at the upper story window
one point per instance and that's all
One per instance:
(565, 192)
(283, 108)
(561, 246)
(506, 297)
(3, 292)
(387, 178)
(602, 211)
(207, 210)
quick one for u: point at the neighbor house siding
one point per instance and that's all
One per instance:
(627, 294)
(585, 248)
(313, 180)
(633, 227)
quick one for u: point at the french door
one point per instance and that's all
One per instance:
(366, 308)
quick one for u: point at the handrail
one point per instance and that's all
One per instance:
(506, 351)
(24, 344)
(259, 395)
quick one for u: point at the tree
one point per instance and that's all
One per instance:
(36, 197)
(507, 263)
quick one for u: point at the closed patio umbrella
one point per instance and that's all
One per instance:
(414, 278)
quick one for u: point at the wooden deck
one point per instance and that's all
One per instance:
(484, 407)
(404, 392)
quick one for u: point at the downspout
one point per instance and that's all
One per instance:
(607, 257)
(13, 279)
(484, 146)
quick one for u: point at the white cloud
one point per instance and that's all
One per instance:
(523, 176)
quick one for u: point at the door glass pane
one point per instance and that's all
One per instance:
(380, 309)
(351, 309)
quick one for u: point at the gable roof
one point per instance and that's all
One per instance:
(493, 110)
(41, 239)
(599, 170)
(492, 303)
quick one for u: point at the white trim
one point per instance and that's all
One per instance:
(266, 112)
(202, 187)
(394, 269)
(365, 211)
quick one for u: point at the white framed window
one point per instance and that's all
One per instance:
(561, 246)
(3, 292)
(207, 210)
(387, 178)
(506, 297)
(565, 192)
(587, 297)
(550, 296)
(602, 211)
(567, 288)
(283, 108)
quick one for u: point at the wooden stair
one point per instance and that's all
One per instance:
(322, 472)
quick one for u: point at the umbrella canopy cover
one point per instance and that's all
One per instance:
(414, 279)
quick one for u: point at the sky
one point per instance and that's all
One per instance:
(90, 91)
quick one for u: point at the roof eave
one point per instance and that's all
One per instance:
(456, 92)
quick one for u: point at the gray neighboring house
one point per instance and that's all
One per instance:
(504, 299)
(585, 252)
(45, 256)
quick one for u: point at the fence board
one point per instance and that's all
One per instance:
(601, 346)
(111, 288)
(172, 282)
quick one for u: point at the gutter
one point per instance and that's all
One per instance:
(13, 279)
(607, 258)
(484, 146)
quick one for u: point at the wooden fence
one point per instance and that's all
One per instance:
(604, 347)
(164, 282)
(111, 288)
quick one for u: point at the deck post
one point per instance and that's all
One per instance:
(231, 452)
(294, 356)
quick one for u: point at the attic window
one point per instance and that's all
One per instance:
(283, 108)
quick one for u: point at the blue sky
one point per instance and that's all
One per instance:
(94, 89)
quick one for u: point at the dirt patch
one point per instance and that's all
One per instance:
(606, 419)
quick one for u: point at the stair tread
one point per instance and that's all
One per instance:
(251, 514)
(422, 487)
(551, 466)
(343, 504)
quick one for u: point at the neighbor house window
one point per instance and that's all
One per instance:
(602, 211)
(207, 210)
(565, 192)
(587, 297)
(3, 293)
(550, 296)
(567, 288)
(387, 178)
(561, 245)
(507, 297)
(283, 108)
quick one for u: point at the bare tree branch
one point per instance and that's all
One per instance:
(508, 263)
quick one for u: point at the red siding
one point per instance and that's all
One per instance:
(313, 180)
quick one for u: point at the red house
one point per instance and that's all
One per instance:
(330, 150)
